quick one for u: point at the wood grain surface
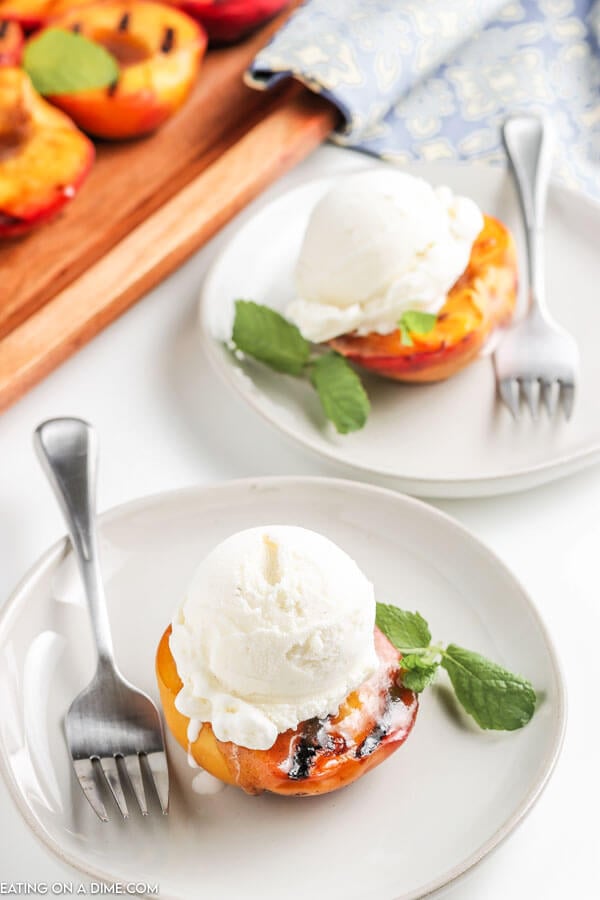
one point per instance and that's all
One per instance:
(146, 206)
(298, 123)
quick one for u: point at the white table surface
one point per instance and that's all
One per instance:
(166, 421)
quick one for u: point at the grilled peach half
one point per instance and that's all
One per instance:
(43, 157)
(320, 755)
(11, 43)
(482, 299)
(230, 20)
(158, 49)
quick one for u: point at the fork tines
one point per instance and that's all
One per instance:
(537, 392)
(119, 773)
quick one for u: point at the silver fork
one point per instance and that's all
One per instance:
(537, 360)
(114, 731)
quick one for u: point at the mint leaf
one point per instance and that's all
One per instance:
(405, 338)
(343, 398)
(266, 335)
(419, 678)
(405, 630)
(263, 333)
(413, 321)
(419, 322)
(420, 669)
(495, 698)
(61, 62)
(422, 659)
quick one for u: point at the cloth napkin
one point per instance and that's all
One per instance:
(433, 79)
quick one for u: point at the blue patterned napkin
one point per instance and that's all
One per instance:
(433, 79)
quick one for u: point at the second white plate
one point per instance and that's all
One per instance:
(451, 439)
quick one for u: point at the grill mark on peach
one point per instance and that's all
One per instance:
(314, 742)
(168, 40)
(398, 700)
(111, 90)
(305, 751)
(123, 22)
(379, 731)
(76, 27)
(3, 28)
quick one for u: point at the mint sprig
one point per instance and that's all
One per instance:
(418, 674)
(413, 321)
(61, 62)
(496, 698)
(265, 335)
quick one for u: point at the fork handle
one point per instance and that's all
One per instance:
(68, 452)
(528, 143)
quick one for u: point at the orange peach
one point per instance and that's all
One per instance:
(158, 49)
(43, 157)
(320, 755)
(482, 299)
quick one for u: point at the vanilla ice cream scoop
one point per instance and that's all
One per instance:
(276, 627)
(378, 244)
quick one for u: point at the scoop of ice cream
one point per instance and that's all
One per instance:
(276, 627)
(378, 244)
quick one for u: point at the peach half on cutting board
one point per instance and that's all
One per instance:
(320, 755)
(11, 43)
(158, 50)
(44, 158)
(482, 299)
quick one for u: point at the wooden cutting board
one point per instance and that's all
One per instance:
(146, 206)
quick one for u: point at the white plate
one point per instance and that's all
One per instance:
(346, 845)
(451, 439)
